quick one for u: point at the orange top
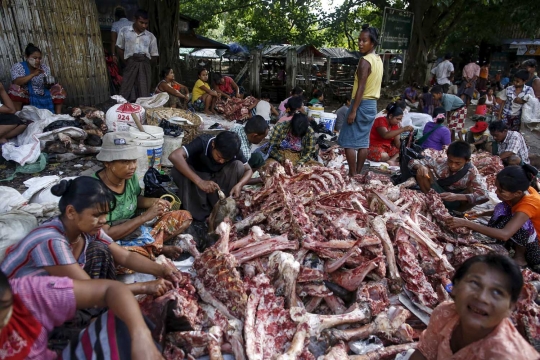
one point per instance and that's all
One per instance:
(530, 205)
(484, 71)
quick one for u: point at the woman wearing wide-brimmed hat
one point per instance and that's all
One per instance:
(119, 156)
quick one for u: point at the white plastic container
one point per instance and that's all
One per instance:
(170, 143)
(150, 144)
(329, 120)
(118, 117)
(316, 112)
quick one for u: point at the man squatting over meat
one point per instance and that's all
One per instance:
(455, 178)
(204, 166)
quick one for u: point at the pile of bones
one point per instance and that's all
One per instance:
(315, 265)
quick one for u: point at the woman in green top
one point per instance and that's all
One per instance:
(318, 97)
(119, 154)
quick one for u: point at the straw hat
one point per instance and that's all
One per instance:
(118, 146)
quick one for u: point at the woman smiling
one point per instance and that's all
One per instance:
(476, 324)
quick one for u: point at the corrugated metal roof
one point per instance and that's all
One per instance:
(280, 51)
(337, 53)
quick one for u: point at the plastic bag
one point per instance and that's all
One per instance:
(154, 101)
(14, 226)
(530, 114)
(152, 183)
(118, 117)
(362, 347)
(31, 168)
(170, 129)
(11, 199)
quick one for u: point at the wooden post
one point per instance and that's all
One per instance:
(291, 69)
(254, 74)
(328, 69)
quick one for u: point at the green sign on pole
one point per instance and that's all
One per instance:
(397, 29)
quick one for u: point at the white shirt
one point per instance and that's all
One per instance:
(118, 25)
(443, 71)
(133, 43)
(263, 109)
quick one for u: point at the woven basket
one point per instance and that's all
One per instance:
(154, 116)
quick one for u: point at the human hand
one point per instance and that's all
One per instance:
(519, 100)
(408, 128)
(143, 346)
(156, 210)
(115, 59)
(171, 274)
(351, 117)
(236, 190)
(455, 222)
(36, 72)
(208, 186)
(157, 287)
(238, 95)
(447, 196)
(423, 171)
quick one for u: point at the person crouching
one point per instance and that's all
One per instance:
(455, 178)
(206, 165)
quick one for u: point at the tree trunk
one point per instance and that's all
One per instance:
(163, 23)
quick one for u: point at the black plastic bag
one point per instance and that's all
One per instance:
(408, 151)
(170, 129)
(153, 180)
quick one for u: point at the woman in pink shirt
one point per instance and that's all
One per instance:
(30, 307)
(476, 326)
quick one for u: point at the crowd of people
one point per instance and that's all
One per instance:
(72, 261)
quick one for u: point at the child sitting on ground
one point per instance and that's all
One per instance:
(478, 136)
(255, 130)
(265, 109)
(318, 97)
(455, 178)
(204, 98)
(481, 108)
(293, 106)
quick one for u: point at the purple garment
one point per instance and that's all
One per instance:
(438, 138)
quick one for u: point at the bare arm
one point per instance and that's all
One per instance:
(235, 87)
(248, 173)
(517, 221)
(23, 80)
(178, 159)
(362, 72)
(219, 92)
(536, 88)
(171, 91)
(117, 297)
(7, 106)
(385, 134)
(273, 110)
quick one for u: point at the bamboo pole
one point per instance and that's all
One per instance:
(67, 32)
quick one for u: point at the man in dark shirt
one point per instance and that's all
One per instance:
(206, 165)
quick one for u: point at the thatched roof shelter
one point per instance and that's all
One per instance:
(67, 32)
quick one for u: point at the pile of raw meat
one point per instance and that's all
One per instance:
(327, 278)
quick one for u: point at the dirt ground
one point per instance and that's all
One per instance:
(88, 165)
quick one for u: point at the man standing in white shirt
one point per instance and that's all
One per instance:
(444, 72)
(120, 22)
(137, 46)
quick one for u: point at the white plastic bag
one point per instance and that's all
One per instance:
(14, 226)
(530, 114)
(11, 199)
(118, 117)
(152, 102)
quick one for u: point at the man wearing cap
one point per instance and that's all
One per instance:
(444, 72)
(206, 165)
(478, 136)
(508, 143)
